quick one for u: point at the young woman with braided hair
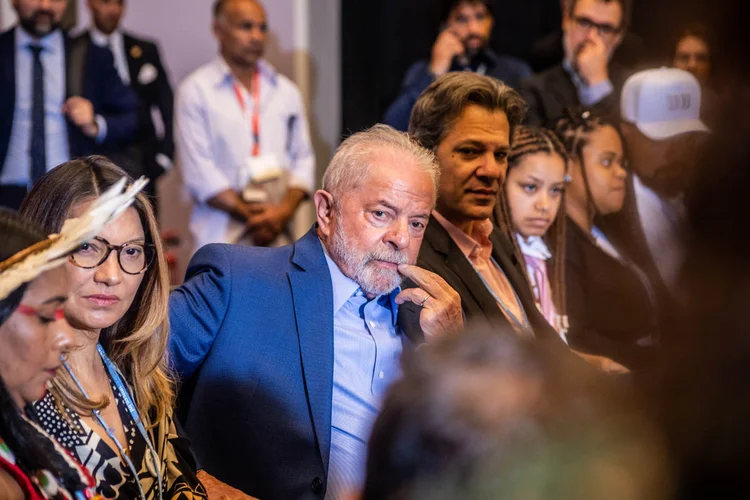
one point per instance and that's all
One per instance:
(610, 302)
(533, 193)
(531, 207)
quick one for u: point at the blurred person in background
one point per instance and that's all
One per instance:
(62, 99)
(663, 135)
(486, 415)
(611, 303)
(461, 46)
(547, 51)
(693, 51)
(242, 137)
(592, 30)
(139, 65)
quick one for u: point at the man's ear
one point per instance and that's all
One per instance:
(324, 208)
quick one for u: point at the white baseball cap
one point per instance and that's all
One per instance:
(662, 103)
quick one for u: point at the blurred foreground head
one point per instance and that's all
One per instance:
(486, 415)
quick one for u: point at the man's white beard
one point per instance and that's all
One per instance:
(358, 266)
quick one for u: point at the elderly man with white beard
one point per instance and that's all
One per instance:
(285, 353)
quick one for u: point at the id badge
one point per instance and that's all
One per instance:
(258, 171)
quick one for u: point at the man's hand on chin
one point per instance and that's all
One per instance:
(441, 305)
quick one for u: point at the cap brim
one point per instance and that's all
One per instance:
(664, 130)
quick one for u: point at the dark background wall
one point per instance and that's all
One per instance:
(381, 38)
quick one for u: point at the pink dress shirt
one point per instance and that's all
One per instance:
(478, 249)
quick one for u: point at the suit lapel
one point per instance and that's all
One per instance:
(312, 294)
(129, 42)
(457, 262)
(562, 87)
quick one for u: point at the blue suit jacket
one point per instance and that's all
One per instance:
(252, 341)
(101, 85)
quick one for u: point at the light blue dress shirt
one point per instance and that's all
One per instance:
(367, 346)
(589, 95)
(17, 167)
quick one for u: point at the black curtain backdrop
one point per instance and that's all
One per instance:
(381, 38)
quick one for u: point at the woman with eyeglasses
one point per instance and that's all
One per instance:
(34, 336)
(610, 302)
(111, 407)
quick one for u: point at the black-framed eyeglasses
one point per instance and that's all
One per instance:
(604, 30)
(133, 258)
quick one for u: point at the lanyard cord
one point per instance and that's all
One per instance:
(125, 395)
(255, 121)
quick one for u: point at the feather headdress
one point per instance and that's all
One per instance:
(29, 263)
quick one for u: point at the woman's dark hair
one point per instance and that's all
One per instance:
(573, 129)
(33, 451)
(528, 141)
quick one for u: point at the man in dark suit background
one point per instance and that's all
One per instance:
(285, 353)
(592, 31)
(61, 98)
(139, 65)
(463, 45)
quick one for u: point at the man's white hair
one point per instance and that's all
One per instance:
(351, 164)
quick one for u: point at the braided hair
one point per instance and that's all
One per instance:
(33, 451)
(573, 129)
(529, 141)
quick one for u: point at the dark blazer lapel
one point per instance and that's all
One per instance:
(457, 262)
(561, 87)
(129, 42)
(312, 294)
(508, 261)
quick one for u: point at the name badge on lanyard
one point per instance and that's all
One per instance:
(255, 120)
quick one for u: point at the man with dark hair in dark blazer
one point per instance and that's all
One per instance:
(139, 65)
(592, 31)
(59, 98)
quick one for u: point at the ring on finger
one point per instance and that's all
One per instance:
(421, 304)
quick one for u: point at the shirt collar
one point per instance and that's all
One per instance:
(224, 74)
(476, 245)
(50, 43)
(573, 74)
(103, 40)
(344, 288)
(533, 246)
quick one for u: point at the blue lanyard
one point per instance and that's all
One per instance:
(117, 378)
